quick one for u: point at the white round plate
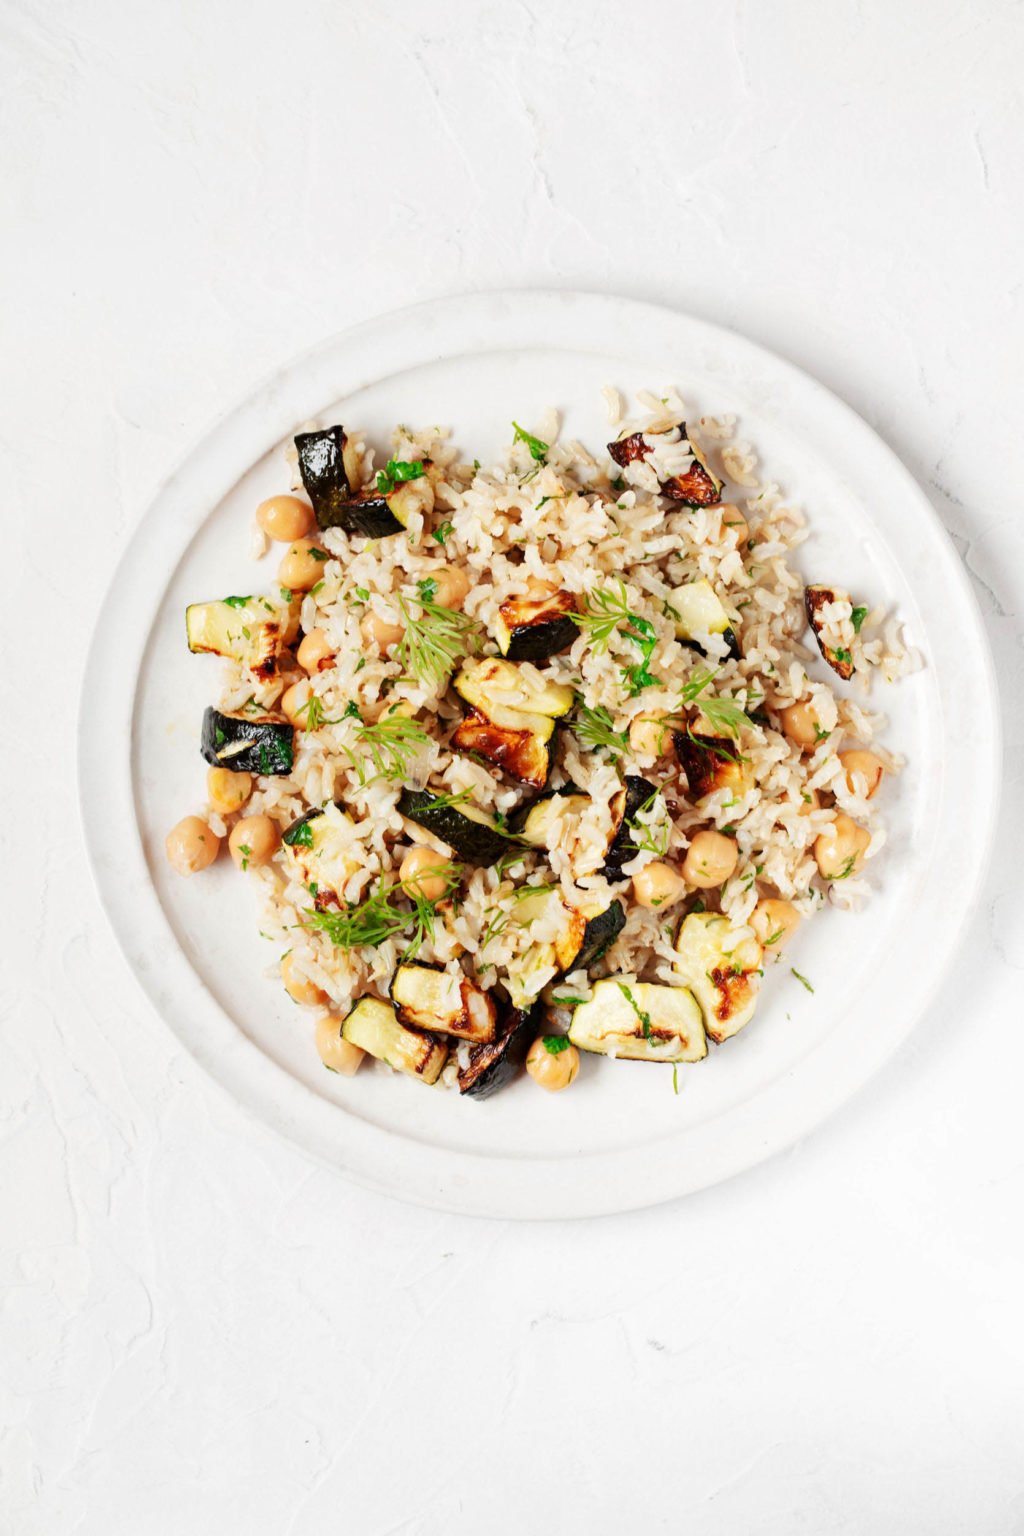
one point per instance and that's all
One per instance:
(621, 1138)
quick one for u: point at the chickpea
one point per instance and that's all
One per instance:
(314, 650)
(553, 1070)
(299, 988)
(657, 885)
(301, 568)
(294, 703)
(870, 767)
(420, 873)
(377, 631)
(649, 737)
(774, 922)
(285, 518)
(227, 792)
(710, 860)
(734, 521)
(192, 845)
(253, 841)
(801, 724)
(335, 1052)
(839, 850)
(452, 586)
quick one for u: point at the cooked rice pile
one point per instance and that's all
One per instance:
(581, 521)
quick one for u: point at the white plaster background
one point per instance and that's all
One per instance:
(200, 1331)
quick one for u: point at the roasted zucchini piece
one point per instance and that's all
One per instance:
(493, 1065)
(532, 821)
(330, 473)
(602, 929)
(523, 750)
(496, 688)
(635, 793)
(532, 629)
(248, 629)
(710, 763)
(429, 997)
(640, 1021)
(581, 939)
(376, 516)
(696, 609)
(816, 598)
(319, 846)
(721, 968)
(696, 485)
(372, 1026)
(247, 746)
(467, 830)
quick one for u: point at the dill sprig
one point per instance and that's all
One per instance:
(388, 912)
(722, 714)
(392, 744)
(435, 638)
(606, 612)
(651, 836)
(595, 728)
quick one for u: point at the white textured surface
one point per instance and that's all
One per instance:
(200, 1331)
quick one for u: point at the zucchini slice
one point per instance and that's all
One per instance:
(532, 822)
(696, 485)
(582, 938)
(640, 1021)
(468, 831)
(602, 929)
(493, 1065)
(720, 968)
(815, 598)
(634, 794)
(524, 751)
(429, 997)
(319, 846)
(329, 472)
(533, 629)
(511, 721)
(372, 1026)
(710, 763)
(247, 746)
(696, 609)
(248, 629)
(497, 688)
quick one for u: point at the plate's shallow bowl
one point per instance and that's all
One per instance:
(621, 1138)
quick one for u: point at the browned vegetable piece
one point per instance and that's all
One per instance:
(697, 486)
(710, 763)
(628, 449)
(524, 754)
(815, 598)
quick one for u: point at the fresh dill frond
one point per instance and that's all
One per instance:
(595, 728)
(392, 744)
(722, 714)
(435, 638)
(388, 912)
(606, 612)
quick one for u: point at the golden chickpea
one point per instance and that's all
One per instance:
(775, 922)
(420, 873)
(295, 701)
(710, 859)
(303, 565)
(314, 651)
(191, 846)
(867, 765)
(733, 521)
(801, 725)
(377, 631)
(452, 586)
(336, 1053)
(839, 850)
(253, 841)
(552, 1069)
(299, 988)
(285, 518)
(227, 792)
(651, 738)
(657, 885)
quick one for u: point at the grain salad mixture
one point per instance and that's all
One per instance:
(546, 756)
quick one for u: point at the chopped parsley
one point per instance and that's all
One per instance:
(606, 613)
(441, 532)
(237, 602)
(556, 1044)
(246, 852)
(320, 555)
(300, 834)
(842, 655)
(538, 450)
(645, 1018)
(858, 616)
(397, 472)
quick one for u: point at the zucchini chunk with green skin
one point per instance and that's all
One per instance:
(696, 609)
(635, 793)
(720, 968)
(468, 831)
(696, 485)
(581, 939)
(372, 1026)
(532, 821)
(376, 516)
(319, 848)
(710, 763)
(329, 472)
(815, 598)
(247, 746)
(493, 1065)
(248, 629)
(534, 629)
(640, 1021)
(491, 685)
(429, 997)
(524, 750)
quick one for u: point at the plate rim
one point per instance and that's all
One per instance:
(446, 1179)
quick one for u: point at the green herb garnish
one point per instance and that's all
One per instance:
(435, 639)
(237, 602)
(320, 555)
(300, 834)
(606, 612)
(595, 728)
(392, 742)
(396, 472)
(441, 532)
(556, 1044)
(246, 852)
(802, 980)
(645, 1018)
(568, 1002)
(857, 617)
(721, 714)
(389, 911)
(536, 447)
